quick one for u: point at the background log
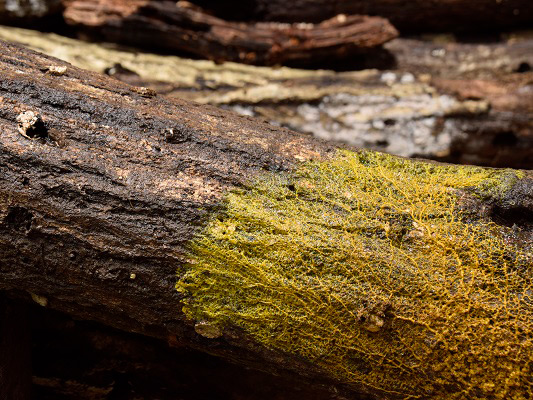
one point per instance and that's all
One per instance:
(173, 26)
(83, 360)
(19, 11)
(415, 16)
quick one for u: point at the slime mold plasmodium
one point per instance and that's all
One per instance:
(372, 267)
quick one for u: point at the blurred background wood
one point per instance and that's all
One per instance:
(83, 360)
(174, 27)
(28, 10)
(407, 16)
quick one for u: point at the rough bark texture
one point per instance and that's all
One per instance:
(99, 200)
(425, 108)
(102, 185)
(418, 15)
(173, 26)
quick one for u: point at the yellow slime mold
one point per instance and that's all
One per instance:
(373, 268)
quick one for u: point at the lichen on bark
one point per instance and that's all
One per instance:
(369, 266)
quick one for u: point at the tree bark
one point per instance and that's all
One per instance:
(415, 16)
(99, 198)
(173, 26)
(103, 186)
(425, 107)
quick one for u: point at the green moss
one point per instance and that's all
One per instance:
(365, 266)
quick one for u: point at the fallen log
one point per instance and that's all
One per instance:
(415, 16)
(176, 27)
(456, 60)
(384, 276)
(416, 110)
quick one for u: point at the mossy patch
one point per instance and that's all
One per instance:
(365, 266)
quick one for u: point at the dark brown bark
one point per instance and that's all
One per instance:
(102, 185)
(411, 16)
(99, 197)
(456, 60)
(175, 27)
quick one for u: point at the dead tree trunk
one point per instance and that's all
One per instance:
(104, 188)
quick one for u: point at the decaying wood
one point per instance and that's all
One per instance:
(100, 198)
(412, 16)
(451, 59)
(425, 108)
(174, 26)
(102, 186)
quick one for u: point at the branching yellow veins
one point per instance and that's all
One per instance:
(368, 266)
